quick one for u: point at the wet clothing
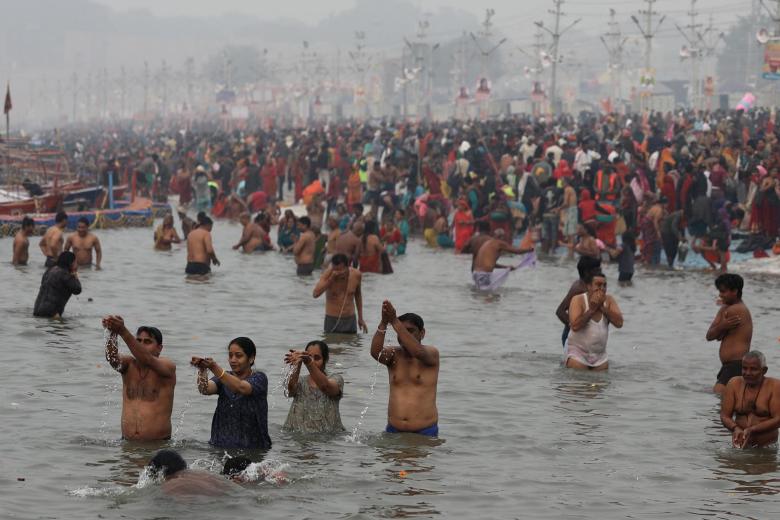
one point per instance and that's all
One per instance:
(50, 262)
(241, 421)
(197, 268)
(305, 269)
(729, 370)
(57, 285)
(342, 325)
(589, 344)
(312, 411)
(370, 264)
(430, 431)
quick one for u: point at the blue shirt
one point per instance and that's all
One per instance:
(241, 421)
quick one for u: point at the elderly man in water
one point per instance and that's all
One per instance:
(751, 404)
(148, 381)
(413, 369)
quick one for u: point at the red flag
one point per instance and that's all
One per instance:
(8, 106)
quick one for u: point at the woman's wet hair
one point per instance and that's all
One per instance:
(586, 264)
(235, 465)
(730, 281)
(324, 350)
(339, 259)
(167, 462)
(152, 331)
(66, 259)
(413, 318)
(245, 344)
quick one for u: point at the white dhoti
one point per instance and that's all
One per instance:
(493, 280)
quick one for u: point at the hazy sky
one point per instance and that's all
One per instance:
(510, 14)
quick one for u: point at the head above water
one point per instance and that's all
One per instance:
(730, 287)
(166, 463)
(28, 224)
(414, 324)
(150, 336)
(753, 368)
(66, 260)
(320, 358)
(61, 219)
(587, 265)
(596, 281)
(241, 354)
(304, 222)
(83, 226)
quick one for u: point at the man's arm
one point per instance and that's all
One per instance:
(98, 253)
(359, 303)
(612, 312)
(323, 283)
(210, 249)
(299, 244)
(428, 355)
(383, 355)
(727, 406)
(506, 247)
(562, 312)
(245, 236)
(42, 246)
(163, 367)
(17, 253)
(721, 325)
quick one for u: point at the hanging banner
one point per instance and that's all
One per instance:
(771, 61)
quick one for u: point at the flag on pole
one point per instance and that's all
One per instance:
(8, 105)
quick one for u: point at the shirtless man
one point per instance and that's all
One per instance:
(587, 245)
(21, 253)
(341, 285)
(733, 326)
(147, 382)
(316, 212)
(303, 249)
(350, 243)
(52, 241)
(478, 240)
(750, 408)
(83, 242)
(413, 369)
(252, 238)
(200, 250)
(165, 235)
(178, 480)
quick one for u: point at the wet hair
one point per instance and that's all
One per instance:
(483, 227)
(168, 462)
(324, 350)
(27, 221)
(246, 345)
(370, 228)
(152, 331)
(730, 281)
(60, 217)
(755, 354)
(306, 221)
(235, 465)
(412, 318)
(83, 220)
(66, 259)
(202, 217)
(586, 264)
(204, 221)
(591, 275)
(340, 259)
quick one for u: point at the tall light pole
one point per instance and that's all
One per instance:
(556, 37)
(647, 78)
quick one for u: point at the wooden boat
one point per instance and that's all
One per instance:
(44, 204)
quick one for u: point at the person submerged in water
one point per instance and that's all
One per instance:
(200, 249)
(733, 326)
(413, 370)
(83, 242)
(178, 480)
(253, 237)
(315, 406)
(750, 408)
(590, 315)
(235, 469)
(57, 285)
(148, 381)
(342, 287)
(486, 261)
(241, 417)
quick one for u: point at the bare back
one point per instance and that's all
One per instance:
(487, 256)
(198, 246)
(348, 244)
(21, 249)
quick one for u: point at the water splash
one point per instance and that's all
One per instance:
(284, 378)
(187, 405)
(110, 340)
(148, 478)
(355, 435)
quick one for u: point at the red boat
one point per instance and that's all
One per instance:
(43, 204)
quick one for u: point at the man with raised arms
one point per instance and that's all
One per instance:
(413, 369)
(83, 242)
(733, 326)
(341, 285)
(751, 404)
(148, 381)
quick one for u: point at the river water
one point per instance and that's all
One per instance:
(519, 436)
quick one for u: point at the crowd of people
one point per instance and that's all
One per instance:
(604, 188)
